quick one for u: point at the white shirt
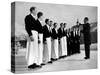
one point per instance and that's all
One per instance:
(34, 16)
(56, 30)
(49, 28)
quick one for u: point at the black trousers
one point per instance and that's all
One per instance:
(78, 47)
(68, 47)
(87, 50)
(74, 47)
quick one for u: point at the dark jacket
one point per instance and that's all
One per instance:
(72, 37)
(86, 33)
(54, 34)
(30, 24)
(46, 33)
(65, 33)
(39, 25)
(60, 33)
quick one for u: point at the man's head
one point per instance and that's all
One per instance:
(86, 20)
(40, 15)
(55, 25)
(74, 29)
(77, 23)
(51, 23)
(33, 10)
(65, 25)
(61, 25)
(47, 21)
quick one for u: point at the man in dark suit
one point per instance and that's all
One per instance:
(47, 39)
(78, 40)
(30, 22)
(69, 42)
(65, 38)
(87, 37)
(61, 41)
(60, 31)
(55, 42)
(40, 38)
(78, 37)
(72, 42)
(32, 43)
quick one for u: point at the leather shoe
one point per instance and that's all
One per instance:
(50, 62)
(86, 58)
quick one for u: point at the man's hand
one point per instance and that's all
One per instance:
(31, 38)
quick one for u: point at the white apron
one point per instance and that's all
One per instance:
(45, 53)
(52, 49)
(47, 50)
(61, 47)
(56, 48)
(32, 49)
(40, 50)
(65, 45)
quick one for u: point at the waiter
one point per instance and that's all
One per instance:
(52, 42)
(40, 37)
(32, 43)
(69, 42)
(78, 34)
(87, 37)
(78, 37)
(72, 42)
(61, 41)
(47, 40)
(65, 39)
(55, 41)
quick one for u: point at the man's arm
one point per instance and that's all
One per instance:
(27, 26)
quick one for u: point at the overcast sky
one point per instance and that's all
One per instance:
(56, 12)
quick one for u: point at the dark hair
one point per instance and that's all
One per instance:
(39, 14)
(61, 24)
(51, 21)
(32, 8)
(54, 23)
(65, 23)
(86, 18)
(46, 20)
